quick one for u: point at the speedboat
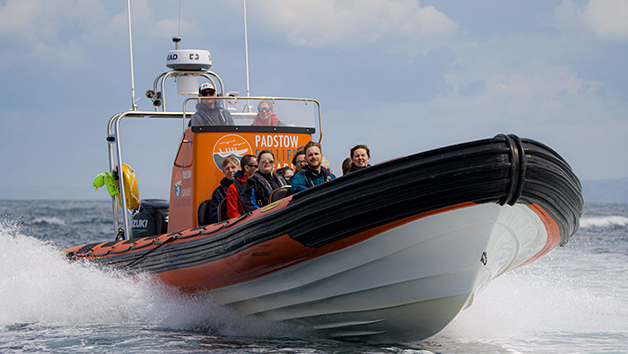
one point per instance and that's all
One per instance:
(392, 252)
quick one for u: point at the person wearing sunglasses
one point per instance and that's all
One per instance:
(266, 115)
(299, 160)
(248, 165)
(261, 185)
(209, 111)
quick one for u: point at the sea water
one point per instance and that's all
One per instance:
(575, 300)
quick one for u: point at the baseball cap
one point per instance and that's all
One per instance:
(206, 86)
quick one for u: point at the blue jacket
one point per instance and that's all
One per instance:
(307, 178)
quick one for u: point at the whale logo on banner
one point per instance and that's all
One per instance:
(230, 145)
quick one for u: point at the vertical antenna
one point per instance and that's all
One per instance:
(179, 34)
(246, 51)
(133, 105)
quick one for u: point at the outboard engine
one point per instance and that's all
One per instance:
(150, 219)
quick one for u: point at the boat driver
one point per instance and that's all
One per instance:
(208, 111)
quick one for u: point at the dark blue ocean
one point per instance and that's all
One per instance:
(574, 300)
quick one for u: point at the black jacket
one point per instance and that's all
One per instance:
(356, 168)
(219, 194)
(210, 116)
(258, 188)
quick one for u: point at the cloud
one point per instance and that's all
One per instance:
(70, 33)
(545, 101)
(540, 95)
(74, 32)
(602, 19)
(570, 18)
(353, 24)
(47, 31)
(608, 19)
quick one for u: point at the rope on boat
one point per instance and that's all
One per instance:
(172, 237)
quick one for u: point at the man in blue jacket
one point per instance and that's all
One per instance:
(314, 173)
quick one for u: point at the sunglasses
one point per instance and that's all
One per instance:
(208, 92)
(262, 109)
(267, 160)
(252, 165)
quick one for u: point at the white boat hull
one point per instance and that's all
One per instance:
(404, 284)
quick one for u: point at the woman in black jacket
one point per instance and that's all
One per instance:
(259, 187)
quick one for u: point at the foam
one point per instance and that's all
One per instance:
(604, 221)
(48, 220)
(39, 286)
(544, 300)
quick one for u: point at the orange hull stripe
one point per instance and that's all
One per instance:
(281, 253)
(553, 233)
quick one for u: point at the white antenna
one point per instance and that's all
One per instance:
(179, 35)
(246, 51)
(133, 105)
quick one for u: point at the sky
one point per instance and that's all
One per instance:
(401, 76)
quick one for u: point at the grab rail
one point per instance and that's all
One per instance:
(114, 146)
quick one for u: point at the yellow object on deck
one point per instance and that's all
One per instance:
(131, 193)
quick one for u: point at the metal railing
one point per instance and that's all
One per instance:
(114, 143)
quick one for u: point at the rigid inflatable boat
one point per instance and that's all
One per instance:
(392, 252)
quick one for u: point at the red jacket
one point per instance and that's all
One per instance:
(274, 121)
(234, 204)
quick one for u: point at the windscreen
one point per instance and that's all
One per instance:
(254, 111)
